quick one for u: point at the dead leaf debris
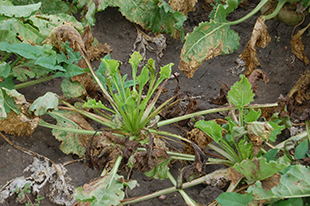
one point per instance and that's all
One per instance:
(143, 39)
(43, 173)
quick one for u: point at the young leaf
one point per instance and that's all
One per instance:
(71, 142)
(211, 128)
(209, 39)
(241, 93)
(234, 199)
(258, 168)
(99, 192)
(245, 149)
(294, 183)
(44, 103)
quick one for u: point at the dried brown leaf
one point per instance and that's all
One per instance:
(199, 137)
(189, 68)
(65, 33)
(260, 37)
(234, 176)
(18, 125)
(298, 47)
(270, 182)
(183, 6)
(300, 91)
(255, 76)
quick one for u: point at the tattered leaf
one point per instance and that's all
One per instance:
(258, 168)
(260, 37)
(277, 129)
(294, 183)
(241, 93)
(72, 89)
(25, 32)
(99, 192)
(44, 103)
(298, 47)
(71, 142)
(45, 23)
(234, 199)
(211, 128)
(209, 39)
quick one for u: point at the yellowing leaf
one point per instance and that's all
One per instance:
(260, 37)
(298, 47)
(208, 40)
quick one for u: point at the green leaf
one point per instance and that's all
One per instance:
(8, 36)
(93, 104)
(5, 69)
(302, 150)
(25, 50)
(143, 78)
(209, 39)
(165, 71)
(277, 129)
(211, 128)
(10, 99)
(134, 61)
(234, 199)
(70, 71)
(290, 202)
(245, 149)
(160, 171)
(2, 107)
(19, 11)
(270, 155)
(252, 115)
(91, 8)
(295, 183)
(258, 168)
(72, 89)
(71, 142)
(241, 93)
(42, 104)
(99, 192)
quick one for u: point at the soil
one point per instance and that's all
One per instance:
(111, 27)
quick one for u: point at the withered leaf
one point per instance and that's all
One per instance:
(199, 137)
(257, 133)
(18, 125)
(234, 176)
(183, 6)
(270, 182)
(89, 84)
(255, 76)
(300, 91)
(260, 37)
(298, 47)
(143, 39)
